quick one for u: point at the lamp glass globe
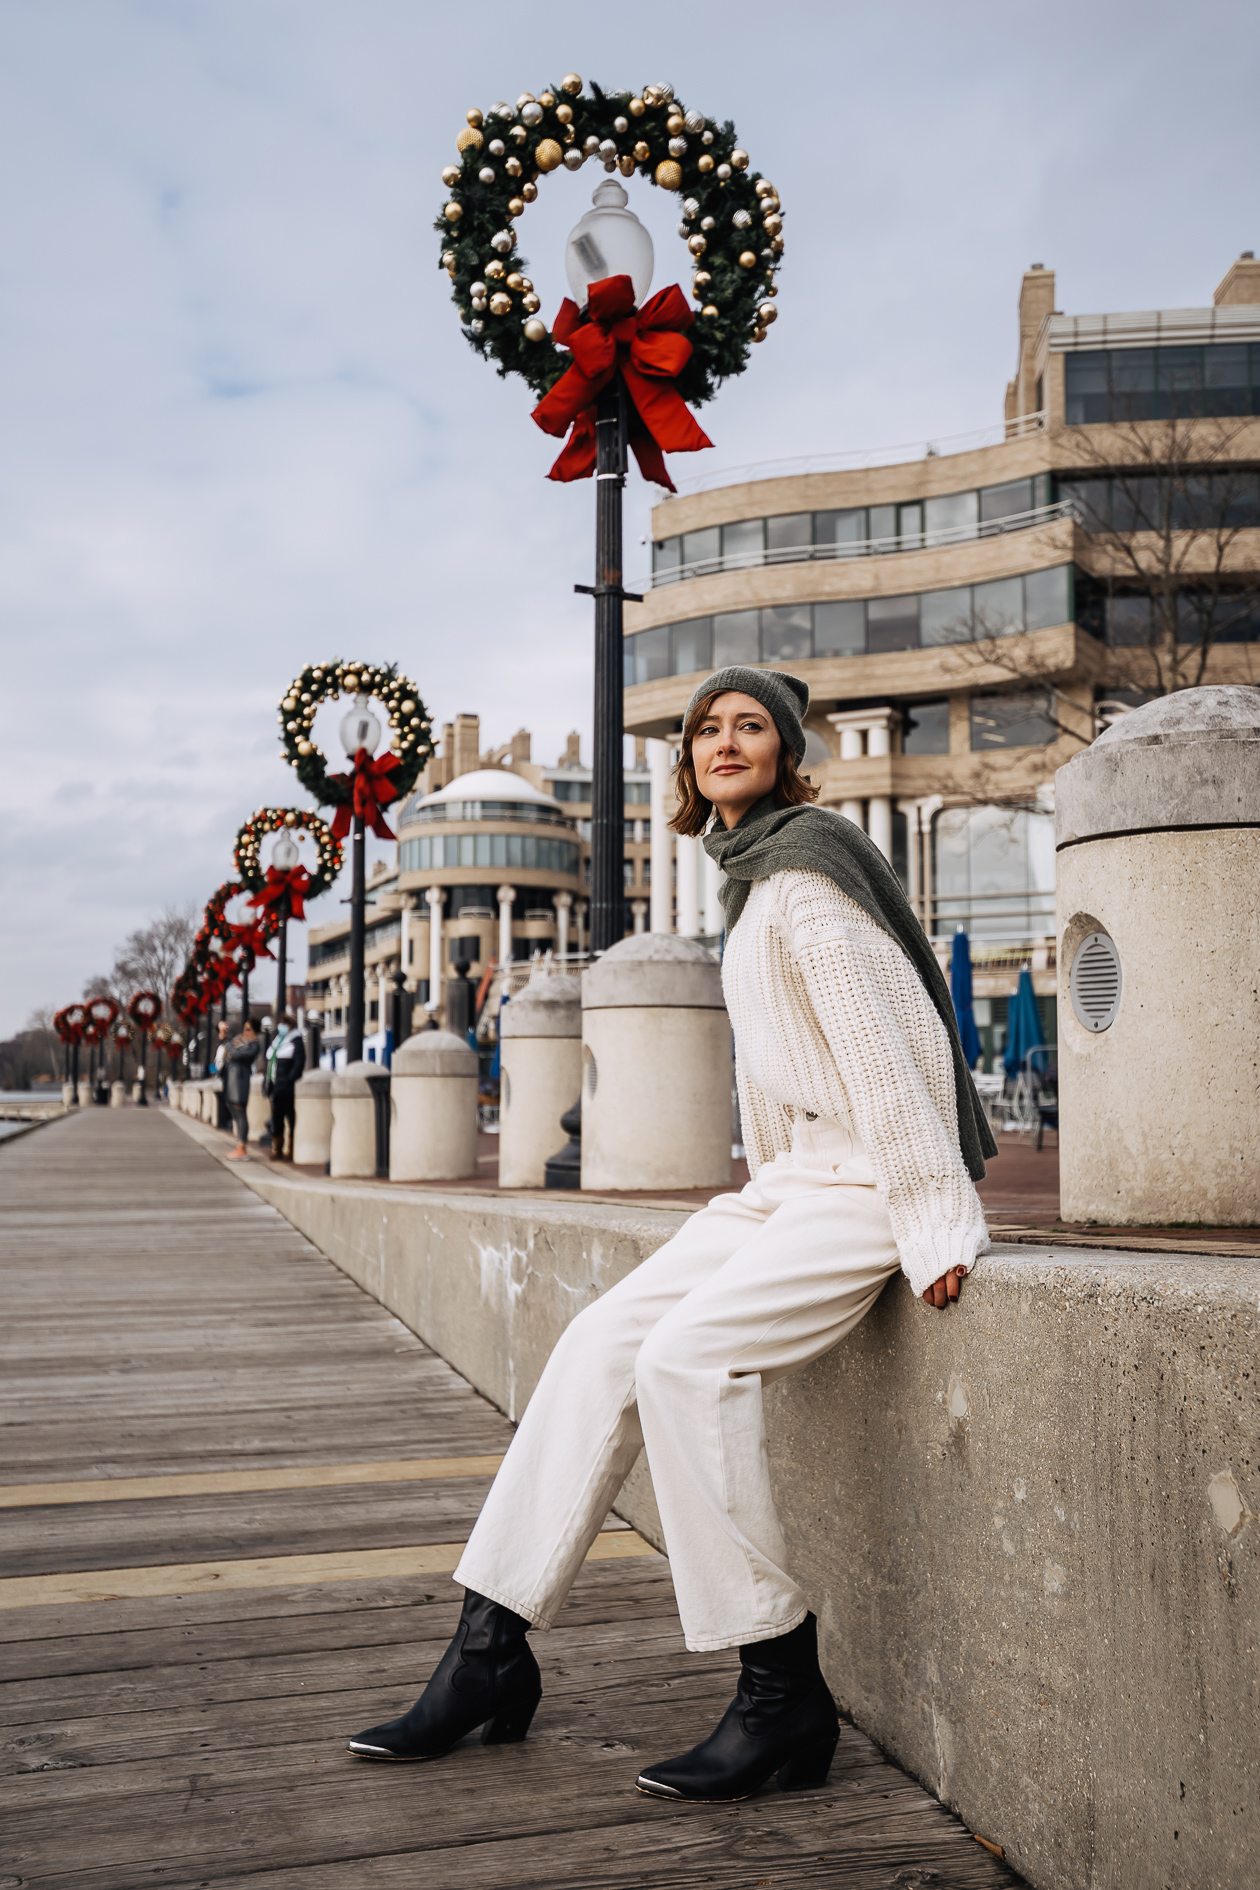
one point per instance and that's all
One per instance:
(285, 855)
(359, 728)
(608, 241)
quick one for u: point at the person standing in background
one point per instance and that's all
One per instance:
(286, 1060)
(239, 1067)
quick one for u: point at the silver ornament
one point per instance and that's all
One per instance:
(476, 288)
(486, 174)
(608, 150)
(694, 121)
(621, 124)
(591, 145)
(742, 220)
(707, 138)
(683, 230)
(706, 223)
(531, 114)
(496, 147)
(723, 171)
(513, 167)
(502, 241)
(666, 92)
(574, 159)
(499, 110)
(677, 147)
(477, 326)
(690, 207)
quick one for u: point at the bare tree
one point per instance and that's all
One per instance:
(151, 959)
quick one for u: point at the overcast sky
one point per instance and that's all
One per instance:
(241, 430)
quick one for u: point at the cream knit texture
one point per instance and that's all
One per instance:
(831, 1019)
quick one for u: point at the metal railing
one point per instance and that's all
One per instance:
(1021, 428)
(870, 547)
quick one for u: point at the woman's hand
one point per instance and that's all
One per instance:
(946, 1288)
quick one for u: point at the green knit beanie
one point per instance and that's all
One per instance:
(786, 697)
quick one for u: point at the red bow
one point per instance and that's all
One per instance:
(250, 938)
(294, 880)
(372, 791)
(649, 351)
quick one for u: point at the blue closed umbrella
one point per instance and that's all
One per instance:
(1023, 1025)
(960, 991)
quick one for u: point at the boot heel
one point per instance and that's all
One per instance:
(809, 1765)
(512, 1724)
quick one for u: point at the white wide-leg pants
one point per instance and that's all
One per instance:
(674, 1357)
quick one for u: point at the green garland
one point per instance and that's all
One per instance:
(731, 220)
(248, 852)
(411, 738)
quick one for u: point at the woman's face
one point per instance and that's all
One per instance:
(735, 751)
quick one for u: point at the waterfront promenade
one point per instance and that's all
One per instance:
(234, 1489)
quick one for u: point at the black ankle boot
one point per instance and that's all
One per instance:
(487, 1677)
(782, 1719)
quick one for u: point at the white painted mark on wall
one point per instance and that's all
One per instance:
(959, 1404)
(1054, 1578)
(1228, 1506)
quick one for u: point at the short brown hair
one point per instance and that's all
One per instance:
(791, 787)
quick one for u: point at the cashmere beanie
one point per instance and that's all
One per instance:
(786, 697)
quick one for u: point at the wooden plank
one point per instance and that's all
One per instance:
(207, 1482)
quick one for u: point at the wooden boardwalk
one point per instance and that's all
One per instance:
(278, 1476)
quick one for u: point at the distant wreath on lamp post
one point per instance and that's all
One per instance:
(731, 221)
(250, 868)
(144, 1009)
(410, 742)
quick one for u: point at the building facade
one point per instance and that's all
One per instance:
(967, 620)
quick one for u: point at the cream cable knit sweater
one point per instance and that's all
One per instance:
(830, 1017)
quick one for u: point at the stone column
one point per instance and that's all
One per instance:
(639, 909)
(436, 899)
(579, 914)
(404, 937)
(382, 996)
(661, 840)
(879, 807)
(688, 886)
(506, 896)
(564, 906)
(711, 881)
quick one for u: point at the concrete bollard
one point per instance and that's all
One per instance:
(85, 1095)
(656, 1067)
(540, 1075)
(312, 1121)
(257, 1109)
(117, 1095)
(1158, 833)
(433, 1104)
(352, 1150)
(175, 1094)
(67, 1095)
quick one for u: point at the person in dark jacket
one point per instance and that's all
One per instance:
(286, 1060)
(218, 1068)
(240, 1063)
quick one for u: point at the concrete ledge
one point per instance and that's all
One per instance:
(1029, 1527)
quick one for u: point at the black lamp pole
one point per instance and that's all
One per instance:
(282, 957)
(607, 786)
(358, 894)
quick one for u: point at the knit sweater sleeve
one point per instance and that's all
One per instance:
(766, 1124)
(892, 1056)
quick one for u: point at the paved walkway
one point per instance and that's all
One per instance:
(235, 1488)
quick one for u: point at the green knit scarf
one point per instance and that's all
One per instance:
(770, 839)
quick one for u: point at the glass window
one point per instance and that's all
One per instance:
(1092, 499)
(1006, 501)
(998, 608)
(1133, 384)
(703, 548)
(1128, 621)
(945, 616)
(925, 729)
(787, 631)
(1048, 597)
(569, 790)
(817, 753)
(666, 558)
(693, 646)
(745, 539)
(955, 513)
(736, 638)
(1179, 372)
(1235, 499)
(883, 522)
(1225, 378)
(1137, 502)
(1018, 720)
(892, 623)
(1087, 387)
(840, 529)
(649, 652)
(840, 627)
(638, 793)
(790, 531)
(911, 526)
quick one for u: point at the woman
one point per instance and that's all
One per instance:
(237, 1071)
(864, 1135)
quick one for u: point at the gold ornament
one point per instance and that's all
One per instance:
(669, 174)
(518, 134)
(763, 187)
(548, 157)
(748, 260)
(739, 160)
(642, 151)
(758, 334)
(776, 244)
(494, 267)
(451, 176)
(708, 311)
(674, 123)
(705, 163)
(448, 259)
(773, 224)
(565, 114)
(500, 303)
(625, 165)
(513, 167)
(535, 330)
(571, 84)
(453, 212)
(697, 244)
(474, 117)
(636, 108)
(306, 748)
(653, 96)
(515, 207)
(290, 702)
(531, 303)
(408, 707)
(529, 192)
(515, 281)
(469, 139)
(546, 100)
(290, 819)
(767, 313)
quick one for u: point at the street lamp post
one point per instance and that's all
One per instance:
(359, 730)
(608, 241)
(284, 857)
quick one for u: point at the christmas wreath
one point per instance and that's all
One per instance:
(242, 945)
(372, 783)
(268, 884)
(70, 1023)
(731, 220)
(190, 998)
(144, 1009)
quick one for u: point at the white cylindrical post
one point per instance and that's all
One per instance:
(352, 1145)
(852, 810)
(579, 914)
(661, 840)
(436, 898)
(564, 905)
(850, 744)
(404, 941)
(540, 1076)
(688, 886)
(506, 897)
(257, 1109)
(382, 996)
(433, 1109)
(879, 817)
(711, 876)
(638, 908)
(312, 1126)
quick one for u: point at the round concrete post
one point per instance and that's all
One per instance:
(540, 1074)
(352, 1151)
(117, 1095)
(85, 1095)
(175, 1094)
(210, 1104)
(257, 1109)
(1158, 836)
(656, 1067)
(433, 1103)
(312, 1119)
